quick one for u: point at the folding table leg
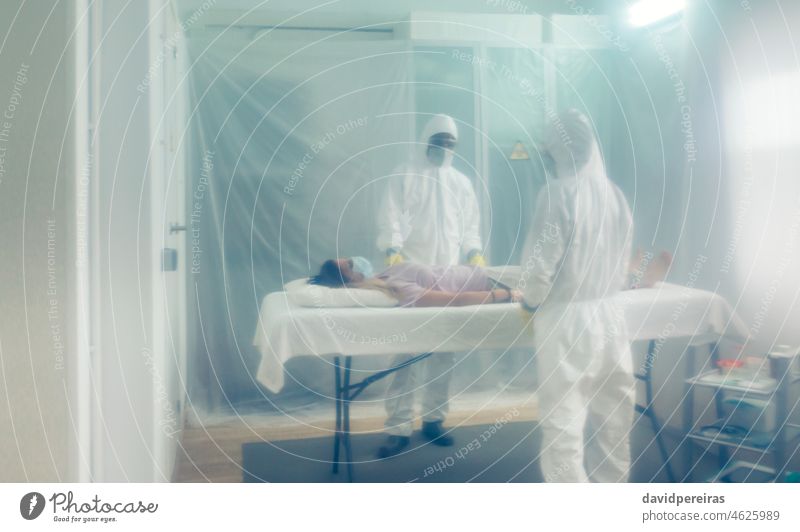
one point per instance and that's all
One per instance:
(688, 414)
(338, 435)
(657, 429)
(345, 397)
(649, 410)
(348, 361)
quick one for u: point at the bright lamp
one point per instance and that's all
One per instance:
(646, 12)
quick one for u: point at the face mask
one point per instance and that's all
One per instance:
(362, 266)
(439, 156)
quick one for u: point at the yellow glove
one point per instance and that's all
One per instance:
(477, 260)
(394, 258)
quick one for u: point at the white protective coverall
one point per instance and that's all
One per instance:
(576, 257)
(431, 214)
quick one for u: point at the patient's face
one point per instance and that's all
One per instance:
(346, 268)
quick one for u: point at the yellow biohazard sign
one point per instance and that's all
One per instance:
(519, 152)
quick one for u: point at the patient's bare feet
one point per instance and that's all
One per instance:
(659, 268)
(647, 270)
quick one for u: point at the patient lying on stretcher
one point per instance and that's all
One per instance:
(418, 285)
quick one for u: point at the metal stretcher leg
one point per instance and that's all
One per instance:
(338, 431)
(688, 414)
(647, 410)
(348, 449)
(345, 393)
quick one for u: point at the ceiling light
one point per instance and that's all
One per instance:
(646, 12)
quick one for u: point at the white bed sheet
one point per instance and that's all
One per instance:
(285, 331)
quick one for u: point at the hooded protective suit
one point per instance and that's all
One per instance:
(431, 213)
(428, 211)
(576, 257)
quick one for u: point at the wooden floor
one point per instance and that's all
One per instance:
(214, 453)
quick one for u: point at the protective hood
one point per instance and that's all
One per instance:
(437, 124)
(572, 145)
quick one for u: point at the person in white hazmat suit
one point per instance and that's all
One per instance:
(429, 215)
(575, 260)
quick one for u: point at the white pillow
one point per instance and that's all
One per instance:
(303, 294)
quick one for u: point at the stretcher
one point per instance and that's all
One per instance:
(285, 331)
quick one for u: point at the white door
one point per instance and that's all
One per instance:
(168, 173)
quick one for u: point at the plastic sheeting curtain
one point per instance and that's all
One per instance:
(291, 146)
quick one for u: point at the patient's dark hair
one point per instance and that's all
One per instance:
(329, 275)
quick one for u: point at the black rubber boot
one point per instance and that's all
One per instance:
(393, 446)
(433, 431)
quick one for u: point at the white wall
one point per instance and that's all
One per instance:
(37, 405)
(48, 380)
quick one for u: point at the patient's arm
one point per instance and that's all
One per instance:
(433, 298)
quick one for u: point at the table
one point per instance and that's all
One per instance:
(285, 331)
